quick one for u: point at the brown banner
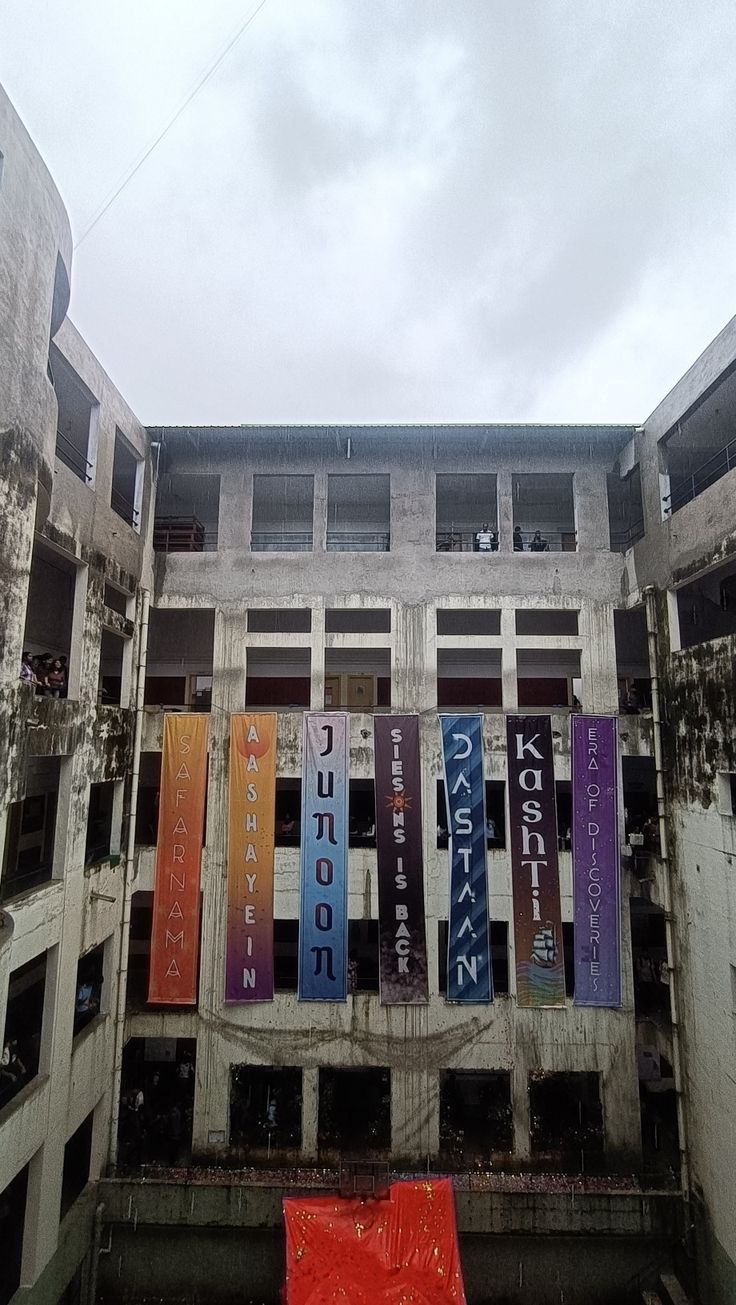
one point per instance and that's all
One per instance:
(175, 935)
(540, 971)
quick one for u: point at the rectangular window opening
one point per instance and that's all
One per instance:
(283, 513)
(707, 607)
(51, 622)
(358, 679)
(358, 514)
(549, 679)
(179, 663)
(23, 1027)
(157, 1083)
(632, 661)
(544, 513)
(30, 835)
(354, 1118)
(466, 509)
(468, 679)
(127, 482)
(265, 1112)
(90, 980)
(279, 620)
(77, 418)
(546, 621)
(77, 1157)
(468, 621)
(187, 513)
(566, 1120)
(358, 620)
(278, 679)
(476, 1121)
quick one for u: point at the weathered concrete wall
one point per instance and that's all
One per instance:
(701, 742)
(167, 1237)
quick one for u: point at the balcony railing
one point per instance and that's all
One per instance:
(183, 535)
(688, 488)
(622, 540)
(71, 456)
(124, 508)
(465, 541)
(281, 541)
(358, 541)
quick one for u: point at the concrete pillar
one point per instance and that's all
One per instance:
(504, 486)
(317, 687)
(236, 510)
(591, 509)
(319, 526)
(520, 1106)
(509, 685)
(414, 671)
(310, 1099)
(415, 1106)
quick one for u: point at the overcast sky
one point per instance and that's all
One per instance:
(391, 210)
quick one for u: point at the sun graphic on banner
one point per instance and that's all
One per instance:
(398, 802)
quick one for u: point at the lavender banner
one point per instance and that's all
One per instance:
(595, 861)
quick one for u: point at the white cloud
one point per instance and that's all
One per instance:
(397, 210)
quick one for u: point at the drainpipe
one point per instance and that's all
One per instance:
(95, 1258)
(129, 877)
(650, 598)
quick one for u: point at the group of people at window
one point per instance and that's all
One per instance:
(49, 674)
(486, 541)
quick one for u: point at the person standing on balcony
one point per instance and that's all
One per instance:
(518, 540)
(486, 540)
(538, 544)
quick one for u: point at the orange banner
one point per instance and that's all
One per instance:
(249, 949)
(175, 935)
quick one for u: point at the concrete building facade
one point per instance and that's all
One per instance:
(291, 569)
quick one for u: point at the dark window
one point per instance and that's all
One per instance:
(363, 956)
(288, 812)
(23, 1027)
(286, 955)
(362, 816)
(495, 814)
(468, 620)
(90, 978)
(499, 957)
(99, 822)
(12, 1223)
(475, 1116)
(279, 620)
(77, 1153)
(265, 1110)
(354, 1112)
(358, 620)
(566, 1119)
(533, 621)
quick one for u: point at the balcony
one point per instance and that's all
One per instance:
(78, 413)
(187, 512)
(688, 487)
(358, 514)
(464, 506)
(700, 449)
(544, 513)
(283, 511)
(127, 482)
(179, 666)
(625, 509)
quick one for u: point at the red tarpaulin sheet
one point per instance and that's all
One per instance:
(400, 1251)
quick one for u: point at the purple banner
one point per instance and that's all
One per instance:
(595, 861)
(403, 944)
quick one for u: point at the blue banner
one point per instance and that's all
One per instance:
(469, 976)
(323, 924)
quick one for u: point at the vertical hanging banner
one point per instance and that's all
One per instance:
(402, 933)
(250, 858)
(540, 969)
(596, 872)
(175, 934)
(323, 923)
(469, 976)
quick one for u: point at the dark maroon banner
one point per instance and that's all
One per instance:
(403, 941)
(540, 970)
